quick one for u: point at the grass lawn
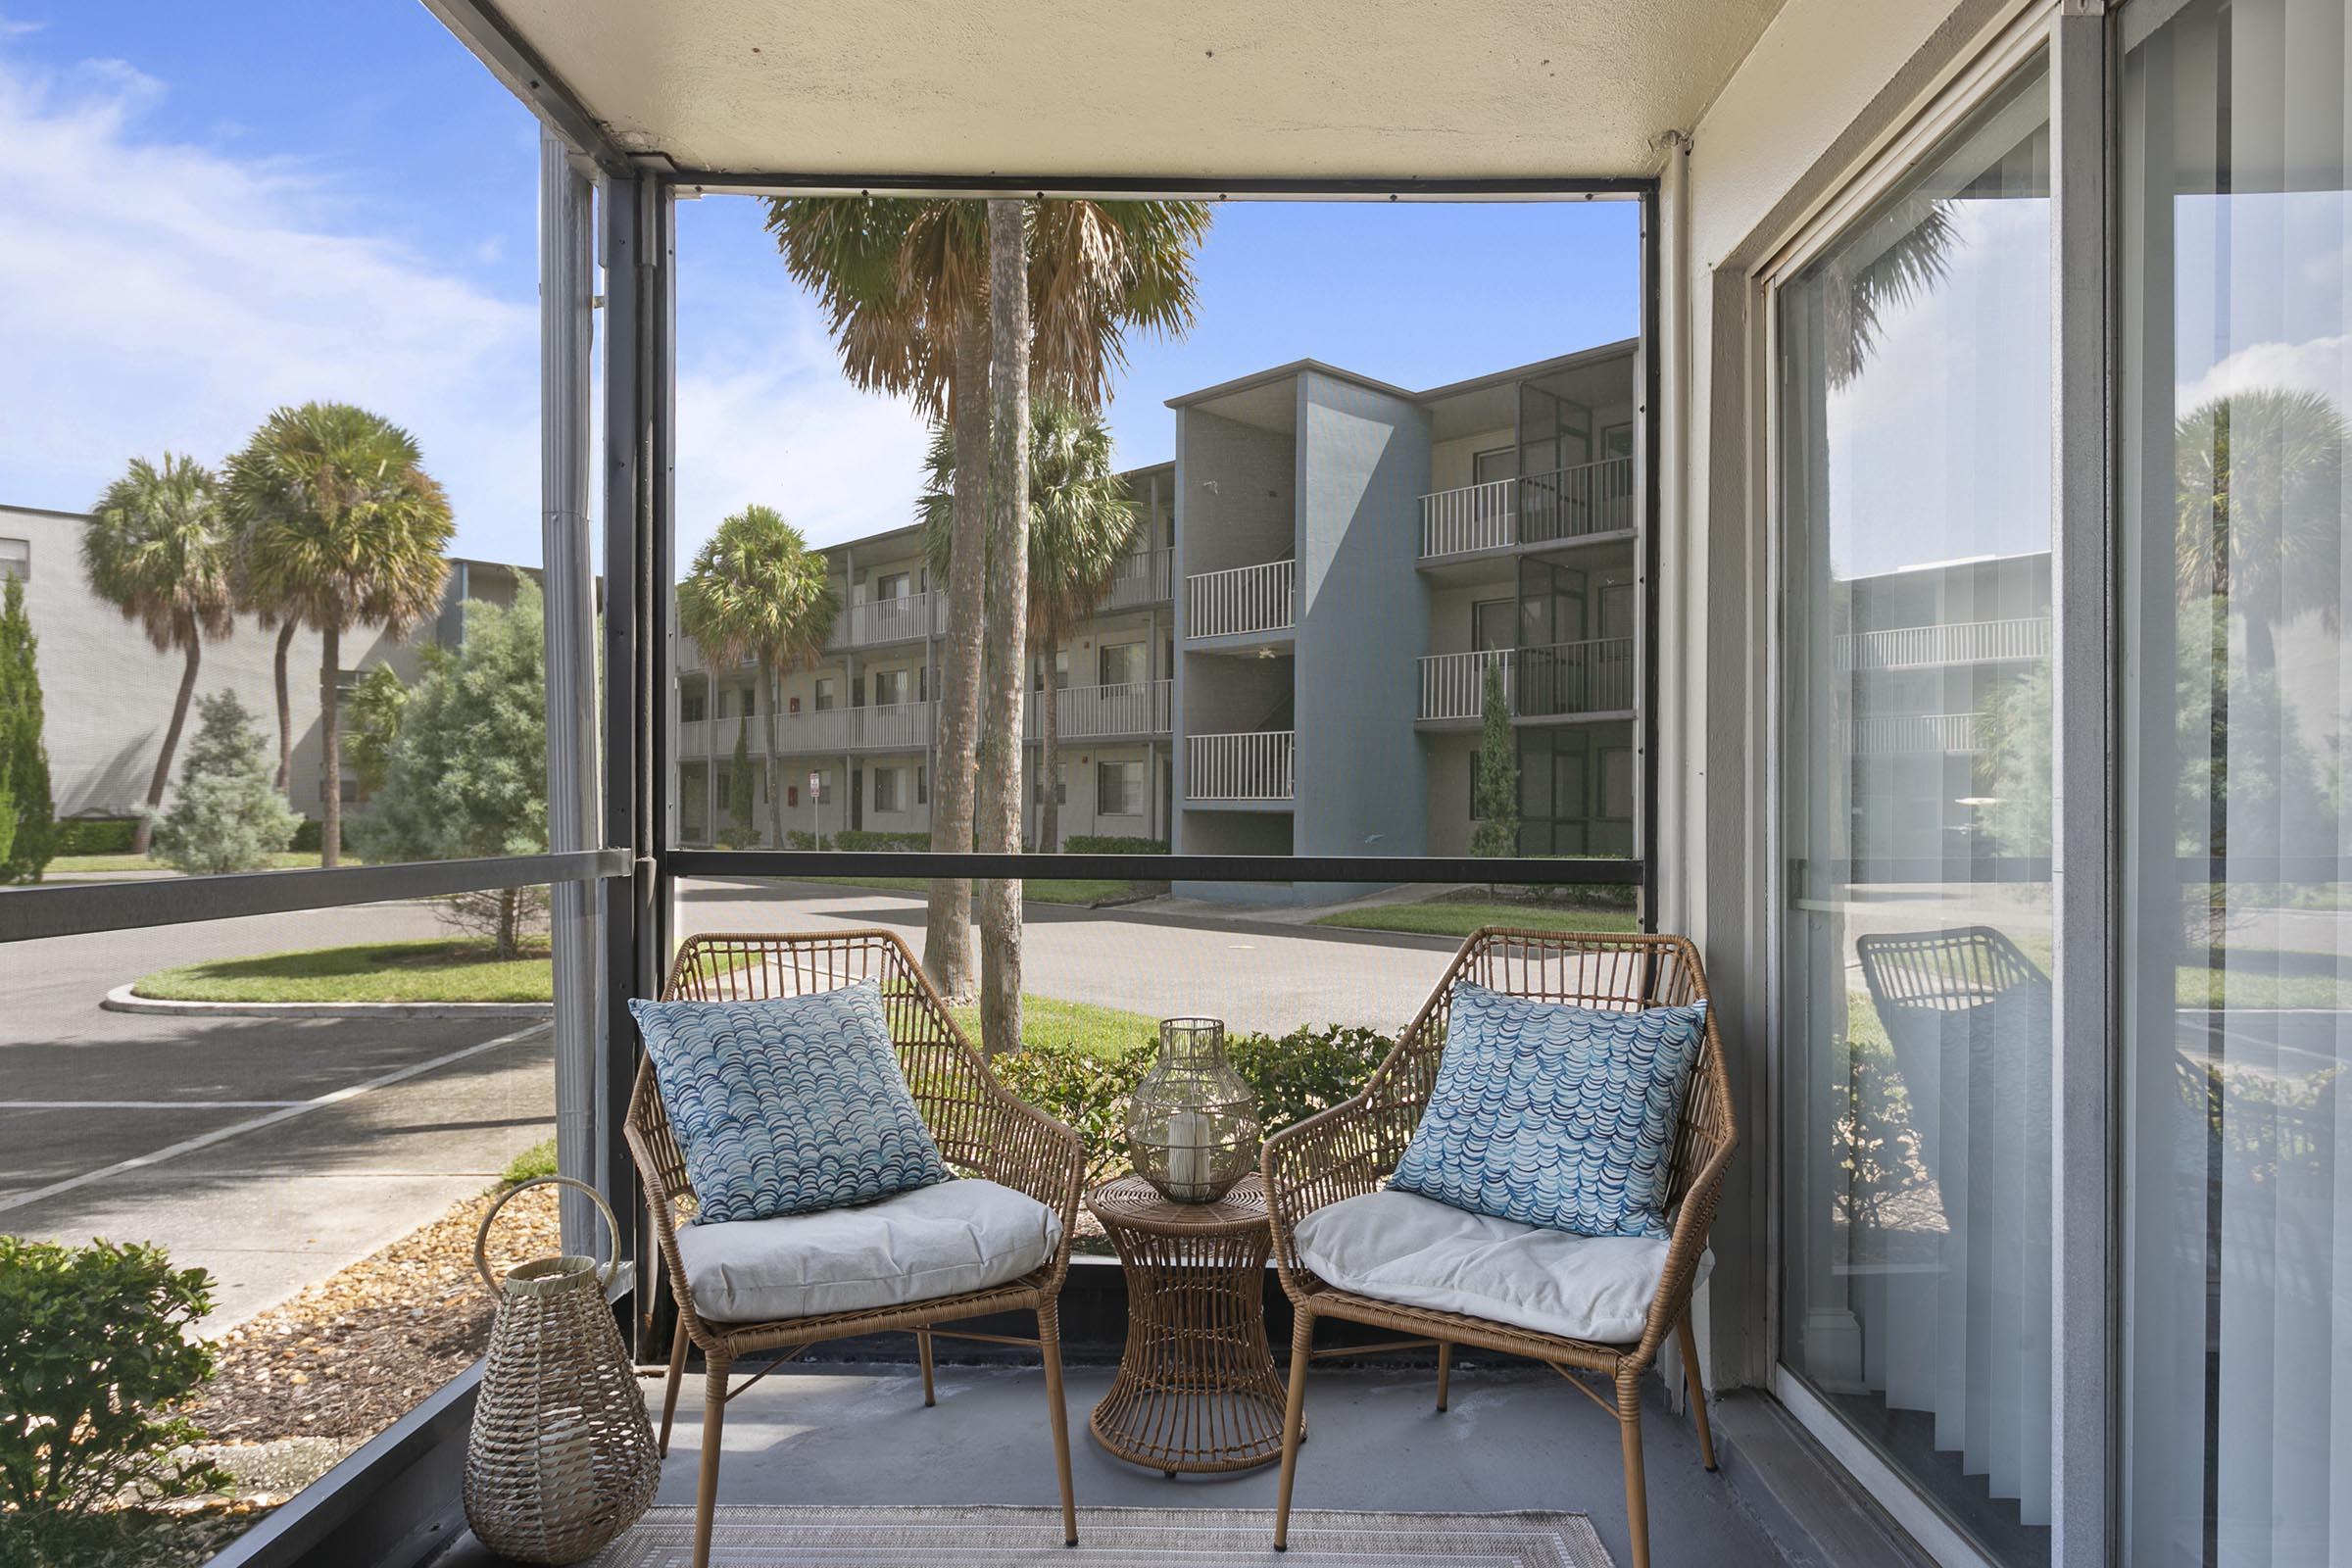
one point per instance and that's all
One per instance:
(1050, 1023)
(433, 970)
(1036, 890)
(84, 865)
(1446, 917)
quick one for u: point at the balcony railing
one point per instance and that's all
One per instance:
(1967, 642)
(1536, 508)
(1595, 676)
(1917, 734)
(889, 727)
(1257, 766)
(1142, 578)
(890, 621)
(1093, 713)
(1239, 599)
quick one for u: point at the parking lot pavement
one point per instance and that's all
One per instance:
(269, 1152)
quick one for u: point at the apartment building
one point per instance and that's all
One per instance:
(853, 733)
(1294, 660)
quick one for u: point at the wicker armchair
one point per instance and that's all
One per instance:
(1353, 1147)
(981, 1129)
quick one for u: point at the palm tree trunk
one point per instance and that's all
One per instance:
(1049, 751)
(144, 834)
(286, 706)
(770, 687)
(947, 933)
(1005, 662)
(330, 738)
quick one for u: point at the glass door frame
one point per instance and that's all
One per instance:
(2075, 36)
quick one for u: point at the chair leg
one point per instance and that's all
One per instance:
(1048, 1343)
(1303, 1350)
(1637, 1494)
(922, 1343)
(1445, 1372)
(669, 1395)
(705, 1492)
(1689, 1344)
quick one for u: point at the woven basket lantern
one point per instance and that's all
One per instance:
(561, 1457)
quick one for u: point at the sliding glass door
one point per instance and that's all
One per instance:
(2236, 307)
(1914, 386)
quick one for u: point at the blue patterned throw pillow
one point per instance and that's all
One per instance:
(1554, 1115)
(787, 1106)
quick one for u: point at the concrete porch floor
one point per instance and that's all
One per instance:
(851, 1435)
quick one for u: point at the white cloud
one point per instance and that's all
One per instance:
(764, 413)
(2314, 364)
(155, 294)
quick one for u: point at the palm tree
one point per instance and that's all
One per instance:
(2259, 528)
(1005, 616)
(1080, 526)
(157, 549)
(904, 287)
(340, 527)
(758, 593)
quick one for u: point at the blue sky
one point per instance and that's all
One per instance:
(218, 209)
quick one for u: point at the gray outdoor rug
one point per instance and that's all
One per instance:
(1107, 1538)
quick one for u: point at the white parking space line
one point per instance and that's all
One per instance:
(148, 1104)
(289, 1113)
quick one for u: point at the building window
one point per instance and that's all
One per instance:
(694, 698)
(1496, 462)
(894, 585)
(1061, 788)
(1121, 665)
(15, 559)
(892, 686)
(887, 788)
(922, 785)
(1119, 789)
(1491, 621)
(824, 786)
(824, 693)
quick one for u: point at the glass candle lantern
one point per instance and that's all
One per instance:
(1191, 1126)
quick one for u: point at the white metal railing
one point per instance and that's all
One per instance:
(1915, 734)
(1088, 713)
(896, 727)
(1594, 676)
(1241, 598)
(695, 736)
(1532, 509)
(1142, 578)
(890, 621)
(1257, 765)
(1965, 642)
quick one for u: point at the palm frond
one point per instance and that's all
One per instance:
(159, 549)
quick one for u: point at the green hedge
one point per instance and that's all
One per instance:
(95, 835)
(901, 843)
(309, 836)
(1296, 1075)
(1111, 844)
(800, 839)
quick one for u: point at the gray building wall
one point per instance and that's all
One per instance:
(107, 692)
(1363, 620)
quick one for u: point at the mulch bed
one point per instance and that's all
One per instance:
(352, 1354)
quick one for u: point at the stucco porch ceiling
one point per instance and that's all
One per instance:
(1308, 89)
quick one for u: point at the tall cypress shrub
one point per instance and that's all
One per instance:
(1497, 806)
(27, 816)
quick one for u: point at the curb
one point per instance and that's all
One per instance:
(121, 1000)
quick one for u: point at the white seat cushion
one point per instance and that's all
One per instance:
(1413, 1251)
(941, 1239)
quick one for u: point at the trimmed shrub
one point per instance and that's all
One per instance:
(94, 1356)
(802, 839)
(1111, 844)
(893, 843)
(95, 835)
(1296, 1075)
(309, 836)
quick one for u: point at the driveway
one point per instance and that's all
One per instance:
(271, 1152)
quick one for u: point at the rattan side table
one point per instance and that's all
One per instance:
(1196, 1390)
